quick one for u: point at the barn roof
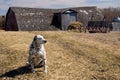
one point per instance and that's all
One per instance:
(77, 9)
(23, 11)
(68, 11)
(87, 9)
(19, 9)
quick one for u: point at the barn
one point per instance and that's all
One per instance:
(28, 19)
(35, 19)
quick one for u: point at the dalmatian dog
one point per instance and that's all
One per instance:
(37, 53)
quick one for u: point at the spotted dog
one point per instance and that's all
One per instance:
(37, 53)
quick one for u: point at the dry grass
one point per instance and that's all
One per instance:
(70, 55)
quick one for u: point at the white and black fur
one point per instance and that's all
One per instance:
(37, 53)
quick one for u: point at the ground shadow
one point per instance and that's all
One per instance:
(16, 72)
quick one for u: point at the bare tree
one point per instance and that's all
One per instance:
(111, 13)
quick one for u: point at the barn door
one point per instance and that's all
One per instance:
(65, 21)
(73, 17)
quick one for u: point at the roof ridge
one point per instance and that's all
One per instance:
(53, 8)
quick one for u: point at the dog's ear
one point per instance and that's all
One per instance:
(35, 38)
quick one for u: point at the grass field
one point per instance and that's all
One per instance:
(70, 56)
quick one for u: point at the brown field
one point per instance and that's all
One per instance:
(70, 56)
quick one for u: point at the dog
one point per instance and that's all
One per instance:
(37, 53)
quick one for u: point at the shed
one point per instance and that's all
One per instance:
(67, 17)
(63, 19)
(116, 24)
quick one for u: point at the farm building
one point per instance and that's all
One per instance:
(116, 24)
(33, 19)
(63, 19)
(28, 19)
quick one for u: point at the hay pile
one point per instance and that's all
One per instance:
(76, 26)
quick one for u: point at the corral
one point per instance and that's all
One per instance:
(99, 26)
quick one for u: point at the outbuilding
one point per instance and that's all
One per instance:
(67, 17)
(63, 19)
(116, 24)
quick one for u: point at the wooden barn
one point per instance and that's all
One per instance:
(34, 19)
(28, 19)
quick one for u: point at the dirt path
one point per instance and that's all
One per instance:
(70, 56)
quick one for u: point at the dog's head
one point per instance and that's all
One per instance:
(39, 39)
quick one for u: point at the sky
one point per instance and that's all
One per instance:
(55, 4)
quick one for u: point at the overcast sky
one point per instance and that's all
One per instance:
(5, 4)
